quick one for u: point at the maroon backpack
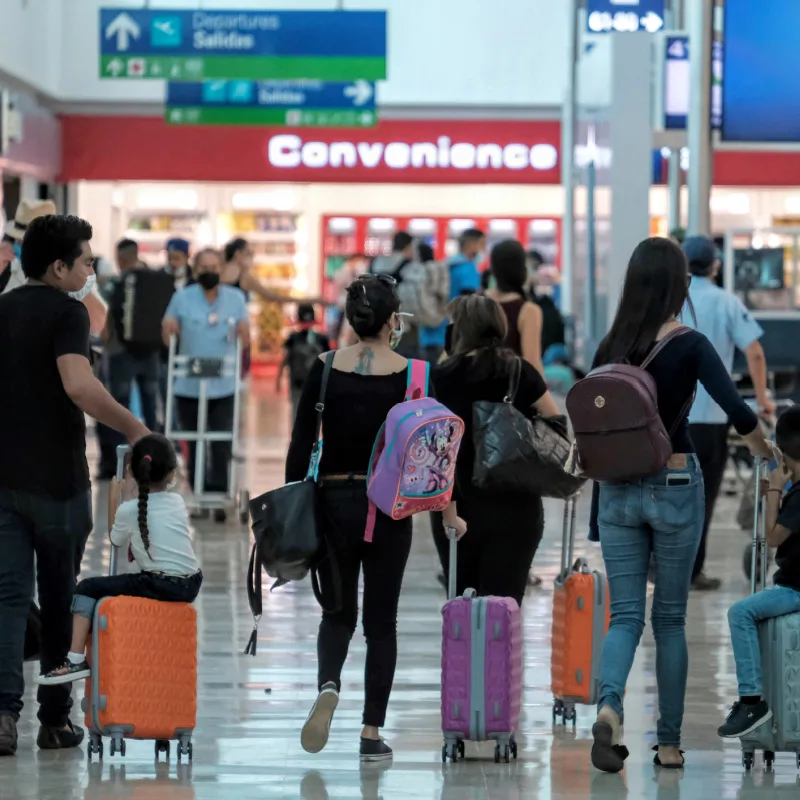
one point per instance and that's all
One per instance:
(614, 413)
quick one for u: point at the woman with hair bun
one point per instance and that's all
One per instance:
(366, 381)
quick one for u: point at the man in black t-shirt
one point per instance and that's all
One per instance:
(783, 532)
(45, 496)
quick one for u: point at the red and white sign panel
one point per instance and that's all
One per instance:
(427, 151)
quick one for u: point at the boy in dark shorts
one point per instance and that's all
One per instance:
(783, 531)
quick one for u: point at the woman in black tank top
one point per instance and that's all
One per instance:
(510, 271)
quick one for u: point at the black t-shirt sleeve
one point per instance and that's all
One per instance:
(71, 331)
(531, 388)
(717, 382)
(305, 426)
(789, 515)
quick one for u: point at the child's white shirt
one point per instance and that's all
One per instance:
(171, 548)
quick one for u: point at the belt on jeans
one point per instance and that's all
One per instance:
(169, 576)
(342, 480)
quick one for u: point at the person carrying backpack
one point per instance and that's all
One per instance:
(302, 349)
(630, 420)
(364, 384)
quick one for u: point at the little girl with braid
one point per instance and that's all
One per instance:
(156, 529)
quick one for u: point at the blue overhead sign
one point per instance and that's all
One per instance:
(274, 94)
(624, 16)
(677, 82)
(195, 45)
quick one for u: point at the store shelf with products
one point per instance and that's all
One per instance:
(152, 229)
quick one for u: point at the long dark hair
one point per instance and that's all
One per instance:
(655, 291)
(508, 262)
(152, 459)
(480, 328)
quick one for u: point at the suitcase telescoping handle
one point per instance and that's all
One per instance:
(114, 498)
(568, 534)
(759, 529)
(451, 572)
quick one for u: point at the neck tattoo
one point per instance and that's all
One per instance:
(365, 359)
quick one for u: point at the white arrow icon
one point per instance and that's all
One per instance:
(123, 27)
(360, 92)
(651, 22)
(115, 67)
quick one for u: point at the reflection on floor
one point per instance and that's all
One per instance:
(247, 742)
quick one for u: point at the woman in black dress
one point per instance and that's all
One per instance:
(504, 528)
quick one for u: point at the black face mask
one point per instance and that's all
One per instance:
(448, 339)
(208, 280)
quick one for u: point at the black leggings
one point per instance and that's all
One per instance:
(343, 518)
(495, 555)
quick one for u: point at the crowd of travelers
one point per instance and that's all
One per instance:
(488, 336)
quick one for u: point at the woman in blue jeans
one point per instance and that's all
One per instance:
(660, 515)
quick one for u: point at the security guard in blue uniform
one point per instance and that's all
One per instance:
(729, 326)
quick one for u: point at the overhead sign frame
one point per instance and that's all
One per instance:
(195, 45)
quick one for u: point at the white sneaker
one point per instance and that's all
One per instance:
(315, 732)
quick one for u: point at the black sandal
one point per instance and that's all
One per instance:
(607, 757)
(657, 761)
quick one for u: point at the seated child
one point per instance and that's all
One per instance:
(783, 532)
(156, 526)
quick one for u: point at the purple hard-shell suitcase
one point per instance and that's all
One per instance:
(481, 670)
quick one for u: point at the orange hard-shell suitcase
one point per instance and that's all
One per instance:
(143, 655)
(580, 621)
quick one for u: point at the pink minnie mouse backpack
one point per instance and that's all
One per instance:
(413, 462)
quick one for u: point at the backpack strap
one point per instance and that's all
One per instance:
(513, 381)
(418, 379)
(662, 343)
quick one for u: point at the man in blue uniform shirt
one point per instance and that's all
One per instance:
(728, 325)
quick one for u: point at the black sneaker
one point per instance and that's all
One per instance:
(66, 673)
(8, 735)
(220, 515)
(744, 719)
(702, 583)
(374, 750)
(314, 735)
(51, 738)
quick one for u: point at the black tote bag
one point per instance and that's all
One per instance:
(519, 455)
(286, 526)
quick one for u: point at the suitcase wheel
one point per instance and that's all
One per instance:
(502, 752)
(185, 749)
(747, 760)
(514, 749)
(162, 746)
(95, 746)
(117, 746)
(453, 752)
(769, 759)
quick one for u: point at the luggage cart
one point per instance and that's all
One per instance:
(181, 366)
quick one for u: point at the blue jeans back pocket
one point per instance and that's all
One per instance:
(678, 507)
(613, 504)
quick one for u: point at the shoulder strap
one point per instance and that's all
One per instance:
(323, 388)
(662, 343)
(418, 378)
(513, 381)
(254, 597)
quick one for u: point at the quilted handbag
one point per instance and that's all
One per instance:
(521, 455)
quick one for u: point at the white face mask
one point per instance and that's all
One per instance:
(86, 290)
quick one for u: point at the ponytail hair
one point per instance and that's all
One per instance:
(143, 481)
(152, 460)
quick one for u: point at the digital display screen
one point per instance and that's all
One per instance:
(677, 82)
(756, 269)
(761, 92)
